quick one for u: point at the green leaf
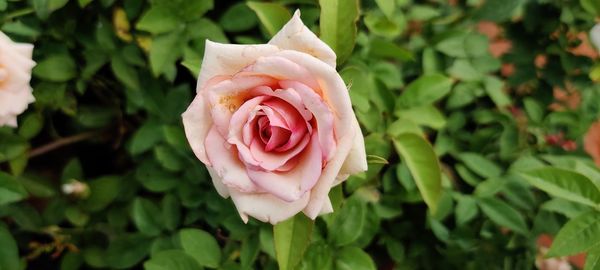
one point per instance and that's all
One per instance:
(353, 258)
(388, 7)
(238, 18)
(144, 215)
(168, 158)
(591, 6)
(592, 259)
(427, 115)
(578, 235)
(201, 246)
(338, 26)
(424, 166)
(291, 238)
(158, 20)
(125, 73)
(171, 212)
(466, 210)
(31, 125)
(127, 251)
(480, 165)
(102, 192)
(318, 256)
(503, 214)
(56, 68)
(83, 3)
(349, 222)
(249, 251)
(386, 49)
(43, 8)
(497, 10)
(11, 190)
(9, 253)
(494, 88)
(425, 90)
(453, 45)
(165, 50)
(565, 184)
(463, 70)
(273, 16)
(145, 138)
(171, 260)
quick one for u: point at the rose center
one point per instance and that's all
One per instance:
(271, 136)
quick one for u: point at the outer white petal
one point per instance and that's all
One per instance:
(296, 36)
(595, 36)
(227, 165)
(15, 91)
(228, 59)
(218, 182)
(196, 123)
(357, 158)
(26, 50)
(320, 193)
(266, 207)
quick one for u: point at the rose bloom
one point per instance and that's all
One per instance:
(274, 125)
(15, 73)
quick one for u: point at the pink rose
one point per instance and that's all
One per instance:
(15, 73)
(274, 125)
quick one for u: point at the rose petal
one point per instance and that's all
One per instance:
(356, 161)
(218, 182)
(291, 185)
(228, 59)
(321, 112)
(271, 161)
(196, 124)
(296, 36)
(236, 127)
(333, 88)
(279, 136)
(266, 207)
(319, 193)
(282, 69)
(226, 163)
(292, 98)
(227, 96)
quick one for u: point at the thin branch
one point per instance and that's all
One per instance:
(61, 142)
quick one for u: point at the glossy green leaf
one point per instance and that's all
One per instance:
(171, 260)
(291, 238)
(144, 214)
(424, 166)
(503, 214)
(353, 258)
(201, 246)
(426, 90)
(349, 222)
(565, 184)
(11, 190)
(9, 253)
(338, 26)
(271, 15)
(592, 259)
(578, 235)
(56, 68)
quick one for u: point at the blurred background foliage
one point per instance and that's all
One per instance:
(99, 175)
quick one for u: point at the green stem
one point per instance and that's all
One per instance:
(18, 13)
